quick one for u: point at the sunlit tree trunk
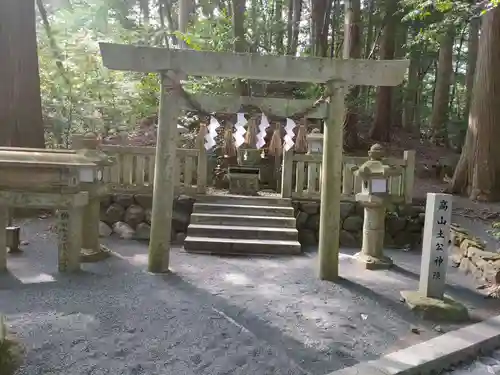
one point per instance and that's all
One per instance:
(478, 171)
(297, 15)
(238, 19)
(380, 130)
(21, 122)
(440, 106)
(352, 49)
(472, 47)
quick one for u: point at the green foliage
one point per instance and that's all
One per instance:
(98, 99)
(495, 231)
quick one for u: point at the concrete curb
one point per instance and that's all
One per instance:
(436, 354)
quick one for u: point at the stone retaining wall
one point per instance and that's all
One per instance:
(468, 253)
(129, 216)
(404, 224)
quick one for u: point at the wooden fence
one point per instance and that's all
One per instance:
(134, 168)
(301, 177)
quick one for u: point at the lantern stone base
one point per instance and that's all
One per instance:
(435, 309)
(373, 263)
(93, 256)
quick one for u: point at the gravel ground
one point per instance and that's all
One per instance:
(211, 315)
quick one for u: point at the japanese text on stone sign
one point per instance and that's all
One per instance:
(439, 239)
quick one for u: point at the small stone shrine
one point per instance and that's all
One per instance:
(60, 177)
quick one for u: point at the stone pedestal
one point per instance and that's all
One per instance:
(436, 309)
(90, 225)
(243, 180)
(371, 255)
(13, 239)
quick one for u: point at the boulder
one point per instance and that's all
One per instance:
(395, 224)
(301, 220)
(347, 239)
(147, 216)
(307, 237)
(353, 223)
(180, 220)
(104, 229)
(144, 200)
(134, 215)
(346, 208)
(143, 231)
(114, 213)
(309, 208)
(312, 222)
(124, 200)
(124, 230)
(184, 203)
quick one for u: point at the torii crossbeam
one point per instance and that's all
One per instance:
(338, 74)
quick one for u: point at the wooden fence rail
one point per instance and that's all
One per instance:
(134, 168)
(301, 176)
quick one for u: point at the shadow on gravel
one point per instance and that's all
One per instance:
(310, 360)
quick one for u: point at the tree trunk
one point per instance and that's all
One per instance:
(380, 130)
(440, 106)
(411, 92)
(352, 50)
(478, 171)
(320, 17)
(289, 26)
(21, 123)
(397, 97)
(238, 19)
(297, 13)
(454, 88)
(472, 47)
(279, 35)
(185, 9)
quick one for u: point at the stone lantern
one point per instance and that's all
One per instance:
(374, 197)
(315, 143)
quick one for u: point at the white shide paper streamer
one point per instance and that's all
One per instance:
(264, 124)
(239, 129)
(212, 133)
(290, 125)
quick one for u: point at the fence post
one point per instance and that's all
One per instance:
(287, 174)
(201, 179)
(409, 175)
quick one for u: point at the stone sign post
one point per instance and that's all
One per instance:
(435, 245)
(430, 300)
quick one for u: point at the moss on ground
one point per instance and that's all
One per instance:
(11, 356)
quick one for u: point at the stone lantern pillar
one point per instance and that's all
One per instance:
(374, 197)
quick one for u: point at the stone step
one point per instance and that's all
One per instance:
(245, 210)
(241, 232)
(245, 200)
(240, 220)
(230, 246)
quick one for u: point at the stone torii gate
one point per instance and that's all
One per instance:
(170, 64)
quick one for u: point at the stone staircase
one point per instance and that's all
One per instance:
(242, 225)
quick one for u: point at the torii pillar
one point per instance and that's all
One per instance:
(337, 74)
